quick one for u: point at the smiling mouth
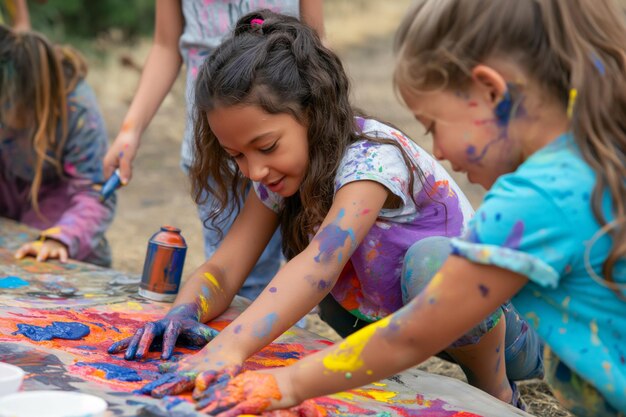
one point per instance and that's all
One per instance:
(271, 184)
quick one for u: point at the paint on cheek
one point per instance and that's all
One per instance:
(238, 329)
(273, 289)
(347, 356)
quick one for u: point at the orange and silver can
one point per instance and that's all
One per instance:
(163, 268)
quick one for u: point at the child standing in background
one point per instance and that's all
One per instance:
(529, 98)
(15, 13)
(350, 194)
(52, 141)
(187, 31)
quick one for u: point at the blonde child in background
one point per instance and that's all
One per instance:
(52, 141)
(352, 195)
(528, 97)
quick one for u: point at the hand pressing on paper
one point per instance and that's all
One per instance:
(254, 393)
(179, 325)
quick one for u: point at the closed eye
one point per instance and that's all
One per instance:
(269, 148)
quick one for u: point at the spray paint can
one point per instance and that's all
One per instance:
(164, 263)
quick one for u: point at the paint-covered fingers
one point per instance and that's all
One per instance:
(207, 379)
(247, 393)
(170, 336)
(43, 250)
(307, 409)
(150, 330)
(119, 346)
(184, 381)
(133, 344)
(200, 334)
(166, 382)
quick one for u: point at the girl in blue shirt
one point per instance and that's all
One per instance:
(528, 97)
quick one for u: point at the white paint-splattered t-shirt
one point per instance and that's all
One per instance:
(369, 285)
(538, 222)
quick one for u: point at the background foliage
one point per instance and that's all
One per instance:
(73, 20)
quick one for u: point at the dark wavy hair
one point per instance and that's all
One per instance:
(563, 45)
(282, 67)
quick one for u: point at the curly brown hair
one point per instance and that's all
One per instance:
(281, 66)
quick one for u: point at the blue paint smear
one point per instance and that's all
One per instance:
(265, 327)
(56, 330)
(117, 372)
(11, 282)
(87, 347)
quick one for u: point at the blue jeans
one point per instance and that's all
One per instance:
(266, 267)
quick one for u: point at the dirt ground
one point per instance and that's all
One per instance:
(361, 32)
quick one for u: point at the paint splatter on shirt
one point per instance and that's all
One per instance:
(537, 221)
(73, 211)
(207, 22)
(369, 285)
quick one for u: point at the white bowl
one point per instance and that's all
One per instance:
(51, 404)
(11, 378)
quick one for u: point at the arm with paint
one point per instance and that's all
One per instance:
(453, 302)
(295, 289)
(210, 289)
(158, 76)
(79, 219)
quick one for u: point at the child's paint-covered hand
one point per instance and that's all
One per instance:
(43, 250)
(252, 393)
(179, 325)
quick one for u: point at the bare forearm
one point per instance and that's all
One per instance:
(287, 298)
(160, 72)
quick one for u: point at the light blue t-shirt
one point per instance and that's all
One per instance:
(538, 221)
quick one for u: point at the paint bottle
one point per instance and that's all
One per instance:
(164, 263)
(113, 183)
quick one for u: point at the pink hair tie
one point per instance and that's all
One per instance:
(256, 22)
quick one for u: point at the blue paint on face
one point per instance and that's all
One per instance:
(273, 289)
(120, 373)
(484, 291)
(12, 282)
(57, 330)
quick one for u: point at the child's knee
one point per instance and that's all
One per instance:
(423, 259)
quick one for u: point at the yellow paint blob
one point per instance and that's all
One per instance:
(203, 305)
(212, 280)
(347, 356)
(378, 395)
(51, 231)
(131, 305)
(378, 384)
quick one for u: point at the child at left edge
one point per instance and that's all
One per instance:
(52, 141)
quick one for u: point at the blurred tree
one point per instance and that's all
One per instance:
(87, 19)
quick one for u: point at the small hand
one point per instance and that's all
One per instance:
(121, 154)
(46, 249)
(182, 376)
(247, 393)
(181, 322)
